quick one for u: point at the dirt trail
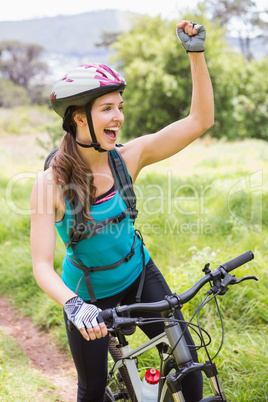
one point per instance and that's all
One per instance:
(42, 354)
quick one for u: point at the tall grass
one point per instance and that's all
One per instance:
(25, 120)
(207, 204)
(18, 380)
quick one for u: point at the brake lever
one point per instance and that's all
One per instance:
(245, 278)
(231, 280)
(221, 287)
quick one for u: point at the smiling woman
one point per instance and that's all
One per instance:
(87, 193)
(107, 113)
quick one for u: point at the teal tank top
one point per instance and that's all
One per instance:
(105, 248)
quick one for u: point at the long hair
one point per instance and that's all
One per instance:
(73, 175)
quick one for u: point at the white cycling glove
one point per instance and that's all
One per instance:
(81, 314)
(193, 43)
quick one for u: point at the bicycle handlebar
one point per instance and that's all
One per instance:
(238, 261)
(176, 300)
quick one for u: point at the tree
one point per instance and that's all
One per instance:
(251, 103)
(107, 38)
(19, 62)
(156, 86)
(242, 18)
(158, 76)
(12, 95)
(159, 84)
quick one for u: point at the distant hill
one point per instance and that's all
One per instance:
(74, 35)
(68, 40)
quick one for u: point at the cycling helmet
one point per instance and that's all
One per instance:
(79, 87)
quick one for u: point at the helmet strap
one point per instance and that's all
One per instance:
(95, 144)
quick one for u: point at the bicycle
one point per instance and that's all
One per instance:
(176, 360)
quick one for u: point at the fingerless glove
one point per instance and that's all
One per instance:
(193, 43)
(81, 314)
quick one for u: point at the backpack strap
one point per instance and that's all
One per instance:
(122, 179)
(49, 158)
(124, 184)
(80, 230)
(88, 270)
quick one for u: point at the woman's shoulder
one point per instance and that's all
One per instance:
(46, 178)
(131, 153)
(47, 189)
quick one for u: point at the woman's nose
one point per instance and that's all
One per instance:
(118, 117)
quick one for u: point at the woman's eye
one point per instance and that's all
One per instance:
(108, 108)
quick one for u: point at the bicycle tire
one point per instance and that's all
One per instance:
(108, 396)
(167, 397)
(116, 355)
(170, 366)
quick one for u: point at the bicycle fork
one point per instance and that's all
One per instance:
(186, 365)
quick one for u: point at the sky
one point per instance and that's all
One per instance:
(29, 9)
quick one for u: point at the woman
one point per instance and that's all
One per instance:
(79, 176)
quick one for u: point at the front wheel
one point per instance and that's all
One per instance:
(108, 396)
(124, 391)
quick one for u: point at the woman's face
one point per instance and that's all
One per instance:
(107, 117)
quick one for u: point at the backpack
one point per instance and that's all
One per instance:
(80, 230)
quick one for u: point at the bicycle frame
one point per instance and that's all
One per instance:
(129, 356)
(174, 367)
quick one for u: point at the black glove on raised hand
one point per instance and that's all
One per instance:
(81, 314)
(194, 43)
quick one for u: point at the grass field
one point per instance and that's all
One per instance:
(206, 204)
(19, 381)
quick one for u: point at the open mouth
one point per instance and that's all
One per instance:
(111, 132)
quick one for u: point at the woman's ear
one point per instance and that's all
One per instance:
(80, 119)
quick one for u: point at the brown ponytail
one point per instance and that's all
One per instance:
(73, 175)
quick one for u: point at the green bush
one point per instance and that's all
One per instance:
(12, 95)
(159, 84)
(26, 119)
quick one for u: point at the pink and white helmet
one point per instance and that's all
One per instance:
(81, 85)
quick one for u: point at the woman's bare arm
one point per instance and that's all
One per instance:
(43, 203)
(155, 147)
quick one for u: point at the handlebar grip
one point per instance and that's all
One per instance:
(106, 314)
(238, 261)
